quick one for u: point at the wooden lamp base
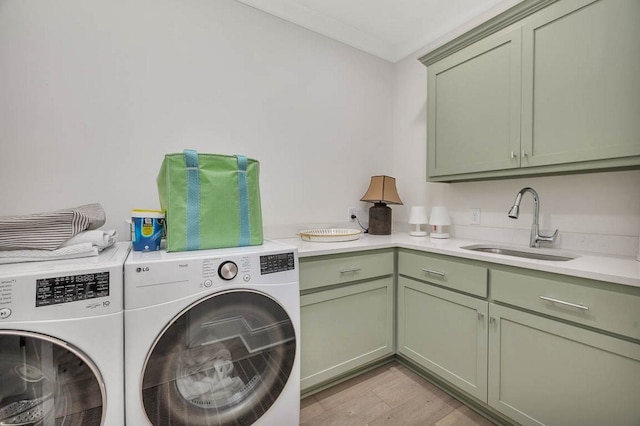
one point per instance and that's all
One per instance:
(380, 219)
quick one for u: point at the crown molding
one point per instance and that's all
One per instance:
(493, 25)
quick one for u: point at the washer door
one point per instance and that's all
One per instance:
(45, 381)
(222, 361)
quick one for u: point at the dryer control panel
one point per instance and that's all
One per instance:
(62, 289)
(71, 288)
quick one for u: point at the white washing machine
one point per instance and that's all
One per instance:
(212, 337)
(61, 341)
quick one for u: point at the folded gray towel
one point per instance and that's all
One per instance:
(47, 231)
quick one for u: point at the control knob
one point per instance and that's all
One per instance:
(228, 270)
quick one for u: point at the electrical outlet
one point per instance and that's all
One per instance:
(352, 212)
(475, 216)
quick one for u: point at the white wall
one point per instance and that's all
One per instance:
(597, 212)
(93, 94)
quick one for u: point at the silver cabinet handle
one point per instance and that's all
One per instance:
(433, 272)
(492, 320)
(346, 271)
(480, 315)
(514, 155)
(525, 154)
(562, 302)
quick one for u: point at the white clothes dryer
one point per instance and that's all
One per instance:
(61, 341)
(212, 337)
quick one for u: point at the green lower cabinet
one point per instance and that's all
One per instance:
(532, 348)
(544, 372)
(345, 328)
(445, 332)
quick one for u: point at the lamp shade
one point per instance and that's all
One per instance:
(439, 216)
(382, 189)
(438, 220)
(418, 216)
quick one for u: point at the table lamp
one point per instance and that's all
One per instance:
(417, 217)
(382, 191)
(439, 218)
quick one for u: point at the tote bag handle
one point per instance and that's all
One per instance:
(243, 201)
(193, 200)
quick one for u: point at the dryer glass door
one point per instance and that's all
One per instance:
(44, 381)
(223, 361)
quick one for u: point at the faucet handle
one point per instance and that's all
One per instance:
(547, 238)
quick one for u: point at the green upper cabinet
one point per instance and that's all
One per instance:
(552, 89)
(474, 107)
(581, 82)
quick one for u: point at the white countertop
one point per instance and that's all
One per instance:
(620, 270)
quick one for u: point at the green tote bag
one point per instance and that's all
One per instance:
(211, 201)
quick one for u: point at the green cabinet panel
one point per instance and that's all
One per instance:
(457, 274)
(320, 271)
(601, 305)
(445, 332)
(344, 328)
(544, 372)
(474, 107)
(581, 82)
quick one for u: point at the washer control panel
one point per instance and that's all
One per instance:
(159, 277)
(280, 262)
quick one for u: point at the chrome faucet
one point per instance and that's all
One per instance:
(515, 211)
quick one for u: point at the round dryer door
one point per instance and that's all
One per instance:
(44, 381)
(222, 361)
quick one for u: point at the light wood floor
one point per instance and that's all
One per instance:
(388, 395)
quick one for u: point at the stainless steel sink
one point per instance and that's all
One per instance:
(536, 254)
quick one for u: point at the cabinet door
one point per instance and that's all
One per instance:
(474, 107)
(543, 372)
(445, 332)
(345, 328)
(581, 82)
